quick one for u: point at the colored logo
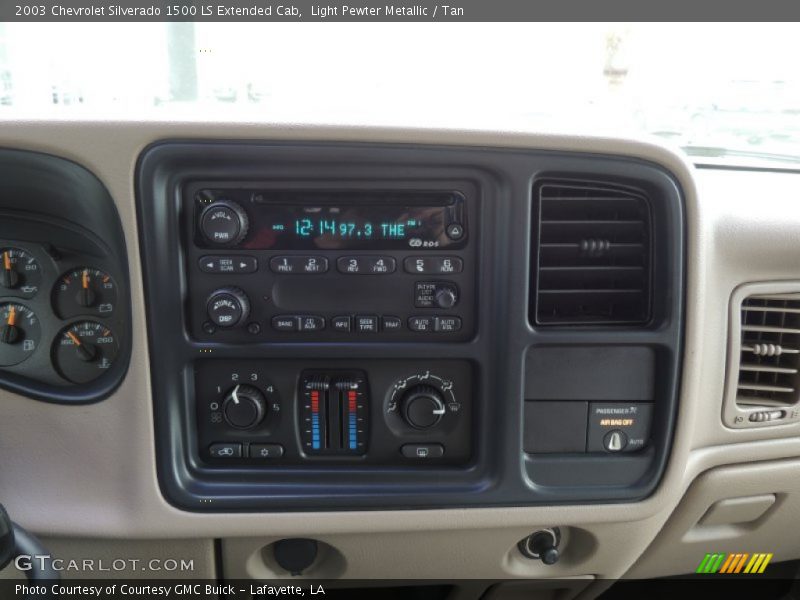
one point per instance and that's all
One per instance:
(734, 563)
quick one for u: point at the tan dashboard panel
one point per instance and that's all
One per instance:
(767, 497)
(89, 471)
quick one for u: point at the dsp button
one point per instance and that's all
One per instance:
(298, 265)
(228, 264)
(433, 265)
(366, 265)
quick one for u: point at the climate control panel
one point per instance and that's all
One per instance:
(267, 412)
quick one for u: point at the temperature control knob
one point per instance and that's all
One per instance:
(423, 407)
(224, 223)
(227, 307)
(244, 407)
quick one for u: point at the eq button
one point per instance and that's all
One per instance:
(421, 324)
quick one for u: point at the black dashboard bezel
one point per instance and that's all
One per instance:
(62, 212)
(500, 474)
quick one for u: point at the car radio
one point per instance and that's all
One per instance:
(272, 264)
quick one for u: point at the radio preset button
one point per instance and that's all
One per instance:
(341, 324)
(284, 323)
(420, 324)
(298, 265)
(392, 323)
(366, 265)
(311, 323)
(433, 265)
(228, 264)
(367, 324)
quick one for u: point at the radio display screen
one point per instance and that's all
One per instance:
(302, 220)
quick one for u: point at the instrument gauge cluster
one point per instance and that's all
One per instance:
(59, 317)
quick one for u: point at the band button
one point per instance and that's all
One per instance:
(284, 323)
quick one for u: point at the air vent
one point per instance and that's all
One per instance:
(769, 358)
(594, 255)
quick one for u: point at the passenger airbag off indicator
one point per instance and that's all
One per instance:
(619, 427)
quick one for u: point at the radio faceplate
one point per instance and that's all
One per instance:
(272, 262)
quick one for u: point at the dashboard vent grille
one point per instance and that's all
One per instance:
(594, 255)
(769, 358)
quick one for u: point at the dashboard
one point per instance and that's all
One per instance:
(396, 342)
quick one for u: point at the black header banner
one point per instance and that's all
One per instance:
(399, 10)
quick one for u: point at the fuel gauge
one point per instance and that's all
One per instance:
(85, 291)
(19, 333)
(20, 272)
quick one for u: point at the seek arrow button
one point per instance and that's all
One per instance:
(228, 264)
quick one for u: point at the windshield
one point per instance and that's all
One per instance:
(716, 90)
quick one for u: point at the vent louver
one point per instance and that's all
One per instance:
(769, 358)
(594, 255)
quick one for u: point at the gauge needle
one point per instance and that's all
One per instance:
(86, 352)
(9, 278)
(85, 279)
(10, 332)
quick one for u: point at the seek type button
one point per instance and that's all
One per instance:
(619, 427)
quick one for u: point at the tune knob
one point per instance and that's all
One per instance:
(227, 307)
(244, 407)
(224, 223)
(423, 407)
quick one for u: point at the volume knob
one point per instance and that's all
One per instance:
(224, 223)
(423, 407)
